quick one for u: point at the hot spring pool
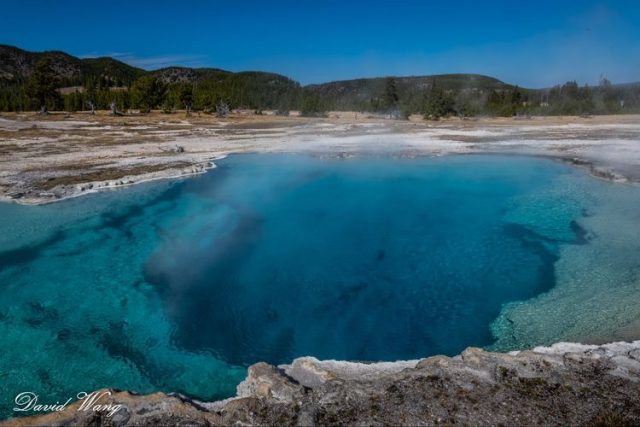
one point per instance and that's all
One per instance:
(180, 285)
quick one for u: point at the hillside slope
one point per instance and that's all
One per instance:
(248, 89)
(357, 94)
(17, 65)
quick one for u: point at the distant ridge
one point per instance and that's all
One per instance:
(17, 64)
(357, 93)
(448, 81)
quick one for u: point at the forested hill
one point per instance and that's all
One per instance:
(17, 65)
(360, 94)
(57, 80)
(106, 79)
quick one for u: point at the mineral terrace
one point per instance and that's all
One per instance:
(49, 158)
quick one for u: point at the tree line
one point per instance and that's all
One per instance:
(42, 91)
(260, 91)
(568, 99)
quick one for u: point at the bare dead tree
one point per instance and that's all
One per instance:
(187, 107)
(222, 109)
(92, 106)
(114, 109)
(177, 149)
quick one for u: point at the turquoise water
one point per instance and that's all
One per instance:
(178, 286)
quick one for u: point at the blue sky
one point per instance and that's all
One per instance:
(533, 44)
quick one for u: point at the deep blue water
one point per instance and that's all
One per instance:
(178, 286)
(365, 260)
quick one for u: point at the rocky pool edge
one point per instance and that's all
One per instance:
(564, 384)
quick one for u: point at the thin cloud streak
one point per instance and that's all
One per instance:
(154, 62)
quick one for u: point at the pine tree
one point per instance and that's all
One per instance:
(41, 87)
(147, 92)
(437, 103)
(390, 98)
(186, 97)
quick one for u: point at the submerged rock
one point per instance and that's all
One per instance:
(566, 384)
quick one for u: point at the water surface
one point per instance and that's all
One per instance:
(178, 286)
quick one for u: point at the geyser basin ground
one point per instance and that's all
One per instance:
(177, 286)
